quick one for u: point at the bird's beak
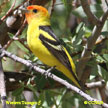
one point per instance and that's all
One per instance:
(24, 11)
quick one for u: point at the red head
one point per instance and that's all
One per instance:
(36, 12)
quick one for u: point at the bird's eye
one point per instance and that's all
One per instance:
(35, 10)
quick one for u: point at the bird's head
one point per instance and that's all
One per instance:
(35, 12)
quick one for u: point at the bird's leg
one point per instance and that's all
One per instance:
(34, 64)
(49, 71)
(31, 67)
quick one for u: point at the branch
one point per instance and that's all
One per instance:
(13, 79)
(16, 35)
(52, 7)
(86, 54)
(9, 11)
(11, 24)
(14, 21)
(92, 18)
(102, 93)
(2, 86)
(52, 76)
(98, 84)
(104, 17)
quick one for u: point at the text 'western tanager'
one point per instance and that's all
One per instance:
(45, 45)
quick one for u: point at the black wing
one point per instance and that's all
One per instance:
(55, 48)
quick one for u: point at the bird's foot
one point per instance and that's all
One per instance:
(34, 64)
(31, 67)
(48, 72)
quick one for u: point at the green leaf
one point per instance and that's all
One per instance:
(40, 81)
(68, 6)
(102, 72)
(41, 99)
(65, 2)
(18, 91)
(105, 33)
(19, 99)
(55, 93)
(79, 33)
(96, 10)
(48, 97)
(1, 1)
(78, 39)
(79, 27)
(18, 2)
(105, 27)
(105, 57)
(31, 87)
(34, 92)
(92, 77)
(98, 1)
(10, 35)
(64, 40)
(88, 32)
(94, 71)
(100, 59)
(21, 46)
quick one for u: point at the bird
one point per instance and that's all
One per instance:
(43, 42)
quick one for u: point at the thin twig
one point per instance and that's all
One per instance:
(2, 86)
(90, 44)
(9, 11)
(92, 18)
(102, 93)
(52, 6)
(21, 29)
(104, 17)
(102, 89)
(106, 3)
(97, 84)
(16, 35)
(24, 44)
(52, 76)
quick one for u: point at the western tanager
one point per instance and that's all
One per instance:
(45, 45)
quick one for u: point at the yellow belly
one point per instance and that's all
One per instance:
(45, 56)
(42, 53)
